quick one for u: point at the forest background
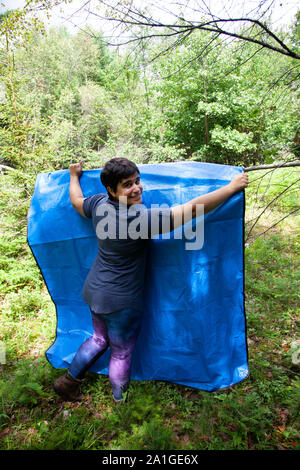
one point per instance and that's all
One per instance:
(201, 96)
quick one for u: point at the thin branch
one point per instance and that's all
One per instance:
(270, 177)
(136, 18)
(273, 165)
(255, 41)
(176, 43)
(245, 61)
(268, 205)
(197, 57)
(287, 72)
(262, 176)
(276, 223)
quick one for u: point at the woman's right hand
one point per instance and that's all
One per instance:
(76, 169)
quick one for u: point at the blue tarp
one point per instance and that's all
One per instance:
(194, 327)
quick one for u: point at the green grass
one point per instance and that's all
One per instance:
(259, 413)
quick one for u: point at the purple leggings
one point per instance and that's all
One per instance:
(119, 331)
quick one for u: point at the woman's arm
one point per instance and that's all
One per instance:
(209, 201)
(75, 188)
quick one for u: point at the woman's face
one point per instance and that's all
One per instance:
(131, 188)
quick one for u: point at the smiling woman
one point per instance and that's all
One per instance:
(131, 188)
(114, 286)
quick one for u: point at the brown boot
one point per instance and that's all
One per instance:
(67, 387)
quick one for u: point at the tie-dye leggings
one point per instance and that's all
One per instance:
(119, 331)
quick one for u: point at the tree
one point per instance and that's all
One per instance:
(223, 107)
(15, 29)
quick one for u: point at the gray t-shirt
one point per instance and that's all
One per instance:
(116, 279)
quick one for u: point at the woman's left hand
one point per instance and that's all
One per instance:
(76, 169)
(239, 182)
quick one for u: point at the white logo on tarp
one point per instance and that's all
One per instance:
(242, 371)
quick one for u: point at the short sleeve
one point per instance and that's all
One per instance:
(90, 204)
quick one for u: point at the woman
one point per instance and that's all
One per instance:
(114, 286)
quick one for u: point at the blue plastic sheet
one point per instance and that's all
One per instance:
(194, 327)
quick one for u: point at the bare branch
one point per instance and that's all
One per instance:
(268, 205)
(278, 221)
(132, 15)
(197, 57)
(273, 165)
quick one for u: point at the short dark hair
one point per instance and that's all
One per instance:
(115, 170)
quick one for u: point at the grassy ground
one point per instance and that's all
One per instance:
(259, 413)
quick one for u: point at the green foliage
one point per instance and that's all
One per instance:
(25, 391)
(229, 143)
(267, 259)
(260, 413)
(68, 97)
(225, 108)
(279, 188)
